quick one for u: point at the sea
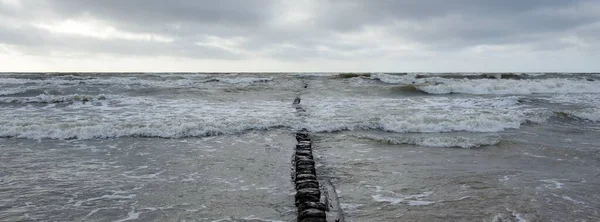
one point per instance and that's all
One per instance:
(218, 146)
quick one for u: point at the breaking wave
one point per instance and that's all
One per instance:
(559, 86)
(590, 114)
(440, 85)
(12, 91)
(434, 141)
(149, 117)
(44, 98)
(87, 130)
(424, 124)
(241, 80)
(132, 81)
(120, 116)
(415, 115)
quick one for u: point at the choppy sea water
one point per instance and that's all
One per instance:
(217, 147)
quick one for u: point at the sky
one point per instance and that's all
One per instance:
(300, 36)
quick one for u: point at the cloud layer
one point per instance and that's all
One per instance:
(304, 35)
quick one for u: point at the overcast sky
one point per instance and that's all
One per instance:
(300, 35)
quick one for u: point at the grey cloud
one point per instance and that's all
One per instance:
(38, 42)
(439, 25)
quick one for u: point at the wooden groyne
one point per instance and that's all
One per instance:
(308, 193)
(316, 201)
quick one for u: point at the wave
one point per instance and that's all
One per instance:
(592, 100)
(44, 98)
(90, 122)
(135, 81)
(241, 80)
(590, 114)
(424, 124)
(121, 116)
(12, 91)
(434, 141)
(415, 114)
(438, 84)
(85, 131)
(353, 75)
(405, 79)
(542, 86)
(308, 75)
(141, 117)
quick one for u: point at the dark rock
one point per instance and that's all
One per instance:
(302, 137)
(311, 213)
(305, 176)
(300, 157)
(297, 100)
(314, 220)
(304, 157)
(307, 194)
(306, 168)
(591, 80)
(303, 184)
(304, 143)
(303, 147)
(305, 162)
(303, 165)
(305, 171)
(312, 205)
(303, 153)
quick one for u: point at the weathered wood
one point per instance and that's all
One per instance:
(308, 191)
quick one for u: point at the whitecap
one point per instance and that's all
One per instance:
(532, 86)
(434, 141)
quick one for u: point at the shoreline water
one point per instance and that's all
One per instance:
(217, 147)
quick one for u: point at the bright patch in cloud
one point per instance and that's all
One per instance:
(228, 44)
(97, 30)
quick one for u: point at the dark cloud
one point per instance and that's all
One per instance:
(435, 25)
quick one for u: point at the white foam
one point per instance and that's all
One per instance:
(391, 200)
(131, 215)
(536, 156)
(555, 182)
(413, 200)
(572, 200)
(350, 207)
(105, 197)
(420, 203)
